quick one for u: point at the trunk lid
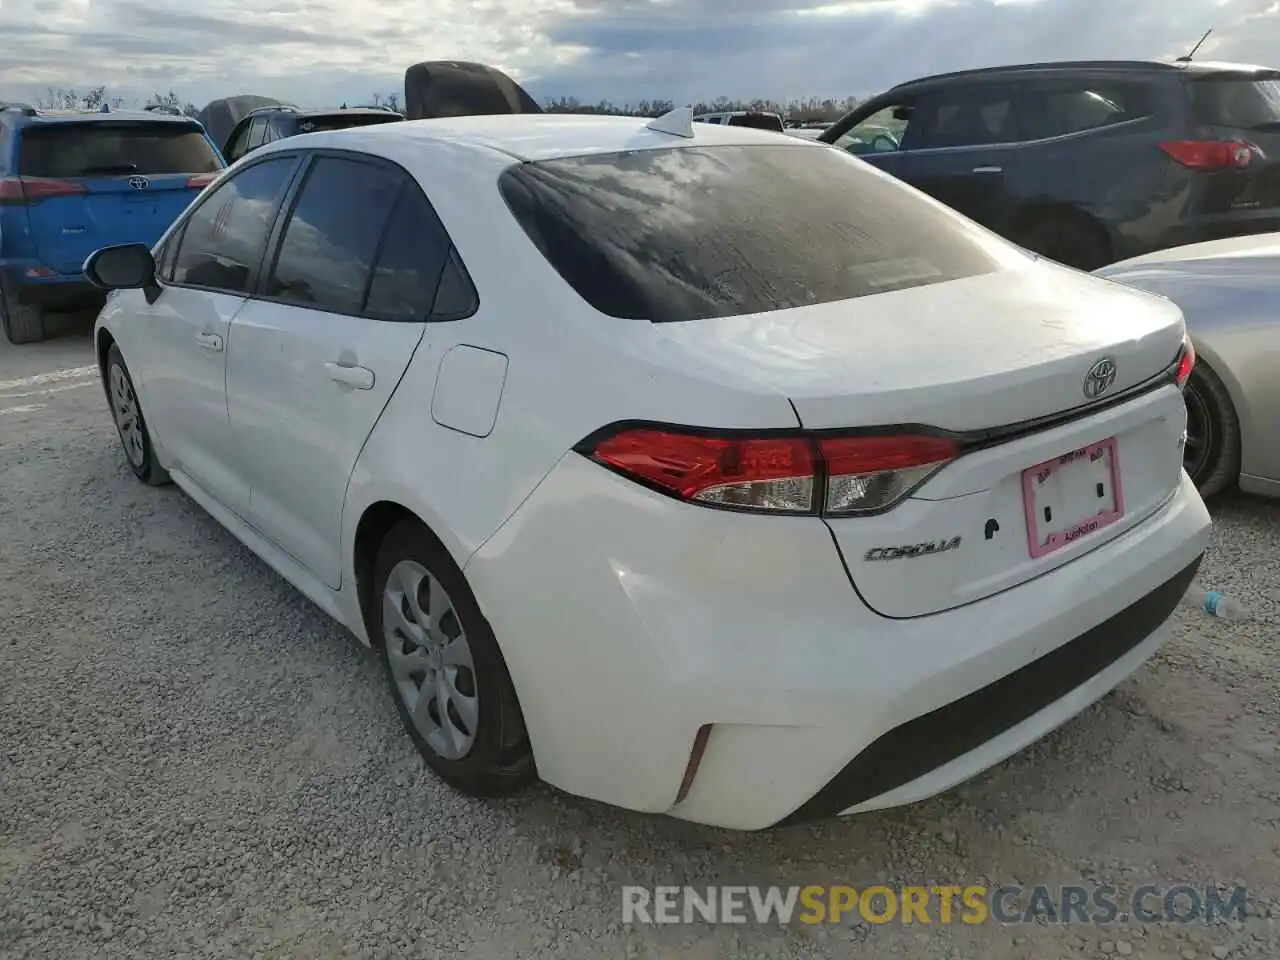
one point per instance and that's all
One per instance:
(67, 229)
(984, 357)
(1240, 106)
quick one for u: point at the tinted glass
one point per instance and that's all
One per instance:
(1055, 110)
(345, 121)
(759, 121)
(679, 234)
(226, 235)
(235, 149)
(963, 118)
(332, 235)
(103, 148)
(413, 252)
(1227, 101)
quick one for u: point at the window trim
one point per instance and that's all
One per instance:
(275, 241)
(255, 271)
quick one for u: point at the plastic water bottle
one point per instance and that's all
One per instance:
(1214, 603)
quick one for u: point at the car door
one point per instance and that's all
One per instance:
(963, 142)
(314, 360)
(207, 271)
(878, 132)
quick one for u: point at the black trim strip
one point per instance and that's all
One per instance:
(930, 741)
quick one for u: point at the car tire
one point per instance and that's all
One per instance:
(1212, 456)
(1069, 240)
(446, 673)
(23, 322)
(131, 425)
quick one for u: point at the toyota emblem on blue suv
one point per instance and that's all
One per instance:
(139, 183)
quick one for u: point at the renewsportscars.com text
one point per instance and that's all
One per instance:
(921, 905)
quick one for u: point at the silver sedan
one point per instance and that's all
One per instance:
(1229, 291)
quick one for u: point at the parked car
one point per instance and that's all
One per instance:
(73, 181)
(774, 492)
(1087, 162)
(264, 125)
(1230, 293)
(757, 119)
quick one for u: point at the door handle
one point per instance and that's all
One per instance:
(350, 375)
(209, 341)
(988, 169)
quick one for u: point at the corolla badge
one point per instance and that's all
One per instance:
(1099, 378)
(139, 183)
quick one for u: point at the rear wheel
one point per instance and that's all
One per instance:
(1067, 239)
(447, 675)
(1212, 454)
(23, 323)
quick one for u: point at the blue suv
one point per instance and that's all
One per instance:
(72, 182)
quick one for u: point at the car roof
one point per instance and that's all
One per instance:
(50, 117)
(535, 136)
(1071, 66)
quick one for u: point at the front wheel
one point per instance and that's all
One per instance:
(1212, 454)
(446, 673)
(130, 424)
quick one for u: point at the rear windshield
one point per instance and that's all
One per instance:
(1234, 101)
(760, 121)
(687, 233)
(344, 121)
(95, 148)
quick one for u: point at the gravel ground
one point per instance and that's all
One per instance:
(195, 762)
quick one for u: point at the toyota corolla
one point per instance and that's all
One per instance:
(686, 467)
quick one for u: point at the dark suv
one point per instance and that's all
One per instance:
(1086, 162)
(277, 122)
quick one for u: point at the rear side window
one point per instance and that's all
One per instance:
(332, 235)
(413, 253)
(102, 148)
(1227, 100)
(686, 233)
(225, 237)
(962, 117)
(1056, 109)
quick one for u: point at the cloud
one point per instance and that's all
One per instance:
(327, 51)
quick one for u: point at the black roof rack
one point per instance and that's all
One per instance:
(163, 108)
(1121, 65)
(285, 107)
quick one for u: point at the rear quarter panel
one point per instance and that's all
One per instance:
(1233, 316)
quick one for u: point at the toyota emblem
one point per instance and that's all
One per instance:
(1099, 378)
(139, 183)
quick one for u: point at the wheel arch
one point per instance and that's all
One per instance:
(1036, 212)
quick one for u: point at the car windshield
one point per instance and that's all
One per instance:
(693, 232)
(1233, 101)
(99, 148)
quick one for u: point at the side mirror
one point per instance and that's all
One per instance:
(903, 113)
(126, 266)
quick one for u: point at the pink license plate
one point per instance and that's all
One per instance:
(1072, 496)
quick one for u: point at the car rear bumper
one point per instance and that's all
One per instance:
(629, 622)
(57, 292)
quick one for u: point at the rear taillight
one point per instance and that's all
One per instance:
(1186, 361)
(792, 473)
(201, 180)
(19, 191)
(867, 474)
(1211, 154)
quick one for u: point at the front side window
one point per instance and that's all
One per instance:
(691, 232)
(237, 146)
(331, 239)
(102, 148)
(224, 239)
(257, 133)
(881, 132)
(961, 117)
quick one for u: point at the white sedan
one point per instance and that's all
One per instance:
(686, 467)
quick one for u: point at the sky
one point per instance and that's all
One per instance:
(323, 52)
